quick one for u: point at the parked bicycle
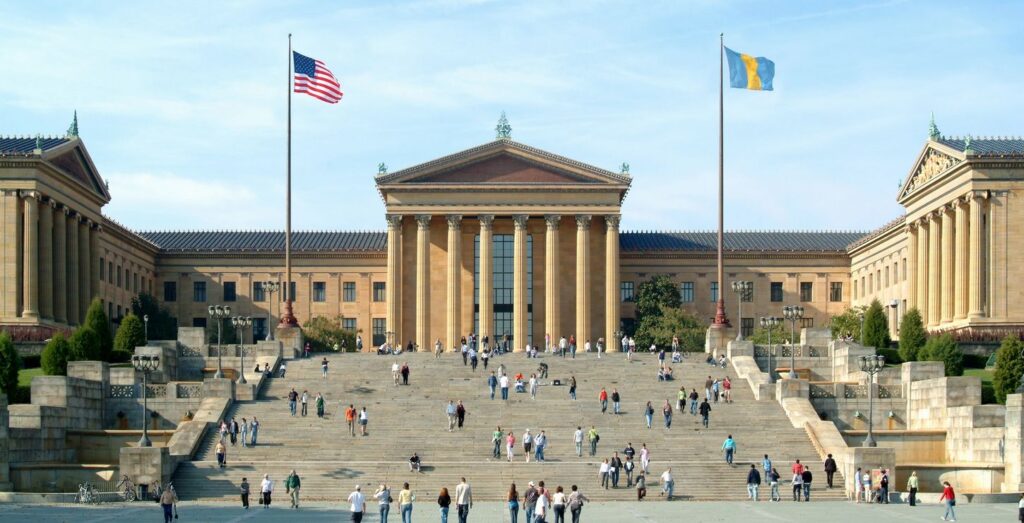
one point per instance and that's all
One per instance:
(127, 487)
(87, 494)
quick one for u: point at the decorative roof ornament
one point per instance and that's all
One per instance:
(967, 146)
(624, 169)
(382, 169)
(503, 131)
(73, 129)
(933, 130)
(38, 151)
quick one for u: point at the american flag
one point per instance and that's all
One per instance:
(315, 79)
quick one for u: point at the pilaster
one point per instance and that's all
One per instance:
(611, 295)
(582, 277)
(934, 269)
(948, 235)
(487, 278)
(921, 270)
(30, 263)
(552, 326)
(912, 239)
(454, 275)
(46, 259)
(975, 266)
(85, 268)
(394, 278)
(961, 252)
(94, 261)
(73, 286)
(422, 281)
(519, 316)
(60, 264)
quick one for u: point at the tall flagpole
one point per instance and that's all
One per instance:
(721, 321)
(288, 319)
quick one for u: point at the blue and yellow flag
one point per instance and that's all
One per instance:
(749, 72)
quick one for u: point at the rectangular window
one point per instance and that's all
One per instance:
(806, 291)
(229, 291)
(319, 291)
(135, 282)
(379, 291)
(127, 278)
(626, 291)
(103, 270)
(686, 292)
(855, 289)
(291, 291)
(199, 322)
(258, 293)
(835, 291)
(878, 280)
(380, 326)
(348, 324)
(118, 312)
(776, 291)
(259, 329)
(806, 323)
(904, 276)
(747, 326)
(748, 296)
(199, 291)
(110, 310)
(170, 291)
(110, 272)
(348, 291)
(886, 276)
(714, 292)
(118, 275)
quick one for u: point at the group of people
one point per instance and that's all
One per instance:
(246, 432)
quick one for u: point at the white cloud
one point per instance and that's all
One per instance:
(170, 201)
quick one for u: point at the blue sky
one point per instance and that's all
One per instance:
(182, 105)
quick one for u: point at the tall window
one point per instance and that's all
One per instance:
(626, 291)
(776, 291)
(380, 326)
(348, 291)
(291, 291)
(229, 291)
(199, 291)
(887, 276)
(748, 296)
(379, 291)
(103, 270)
(503, 263)
(258, 292)
(714, 292)
(348, 324)
(835, 291)
(806, 323)
(319, 291)
(806, 291)
(135, 282)
(871, 282)
(170, 291)
(904, 276)
(686, 292)
(855, 289)
(127, 278)
(259, 328)
(118, 275)
(747, 326)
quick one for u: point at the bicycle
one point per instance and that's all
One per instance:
(128, 489)
(87, 494)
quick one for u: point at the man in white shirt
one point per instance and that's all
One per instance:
(667, 483)
(394, 371)
(358, 502)
(577, 438)
(625, 344)
(563, 344)
(503, 383)
(463, 500)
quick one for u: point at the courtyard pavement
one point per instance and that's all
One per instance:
(491, 512)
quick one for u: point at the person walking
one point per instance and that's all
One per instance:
(450, 411)
(950, 498)
(729, 446)
(513, 504)
(558, 501)
(912, 486)
(292, 484)
(753, 482)
(293, 398)
(233, 430)
(645, 458)
(222, 456)
(705, 411)
(603, 398)
(463, 500)
(383, 497)
(492, 383)
(615, 468)
(405, 373)
(244, 491)
(364, 419)
(255, 431)
(438, 348)
(807, 477)
(533, 386)
(323, 367)
(540, 444)
(668, 483)
(681, 399)
(444, 502)
(572, 387)
(320, 404)
(530, 501)
(350, 419)
(649, 414)
(883, 488)
(766, 465)
(266, 490)
(693, 401)
(727, 389)
(577, 439)
(616, 406)
(357, 504)
(575, 503)
(602, 473)
(858, 485)
(628, 466)
(527, 444)
(496, 438)
(707, 388)
(798, 486)
(168, 500)
(774, 478)
(641, 486)
(460, 413)
(543, 503)
(830, 470)
(305, 402)
(510, 445)
(666, 412)
(503, 381)
(866, 485)
(244, 433)
(396, 372)
(593, 437)
(405, 499)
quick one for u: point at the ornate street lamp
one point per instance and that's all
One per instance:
(145, 326)
(793, 313)
(240, 323)
(769, 323)
(270, 287)
(742, 290)
(218, 313)
(871, 365)
(861, 315)
(145, 365)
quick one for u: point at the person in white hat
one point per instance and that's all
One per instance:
(358, 502)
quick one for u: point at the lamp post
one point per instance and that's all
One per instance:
(792, 313)
(770, 323)
(240, 323)
(871, 365)
(145, 365)
(861, 316)
(218, 313)
(742, 290)
(145, 326)
(270, 287)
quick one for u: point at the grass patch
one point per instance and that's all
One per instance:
(25, 376)
(988, 393)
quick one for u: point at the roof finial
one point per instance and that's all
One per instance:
(625, 168)
(382, 169)
(503, 130)
(73, 129)
(933, 130)
(39, 145)
(967, 145)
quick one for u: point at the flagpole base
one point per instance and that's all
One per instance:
(288, 317)
(721, 320)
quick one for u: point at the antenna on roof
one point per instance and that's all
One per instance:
(73, 129)
(502, 131)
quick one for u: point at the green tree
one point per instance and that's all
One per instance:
(323, 333)
(85, 345)
(10, 363)
(97, 321)
(1009, 368)
(162, 326)
(944, 348)
(671, 322)
(876, 327)
(54, 359)
(847, 323)
(779, 332)
(130, 334)
(912, 335)
(654, 294)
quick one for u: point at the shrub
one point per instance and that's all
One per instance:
(130, 334)
(944, 348)
(22, 395)
(85, 345)
(892, 356)
(847, 323)
(912, 335)
(120, 356)
(1009, 368)
(54, 360)
(323, 333)
(97, 321)
(10, 363)
(162, 326)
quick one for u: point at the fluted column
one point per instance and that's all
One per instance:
(46, 259)
(60, 264)
(961, 252)
(74, 287)
(394, 282)
(454, 315)
(921, 272)
(935, 269)
(519, 313)
(582, 278)
(946, 284)
(30, 252)
(422, 281)
(975, 267)
(94, 260)
(551, 279)
(911, 268)
(612, 297)
(85, 269)
(487, 277)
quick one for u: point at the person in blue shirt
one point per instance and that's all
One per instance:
(729, 446)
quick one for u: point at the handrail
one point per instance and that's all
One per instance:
(814, 440)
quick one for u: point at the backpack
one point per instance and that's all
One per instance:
(575, 502)
(597, 438)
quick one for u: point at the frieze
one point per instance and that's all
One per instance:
(933, 164)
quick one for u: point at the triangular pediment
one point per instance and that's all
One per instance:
(503, 168)
(935, 160)
(73, 159)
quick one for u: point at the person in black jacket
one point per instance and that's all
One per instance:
(830, 470)
(753, 482)
(807, 477)
(616, 469)
(883, 488)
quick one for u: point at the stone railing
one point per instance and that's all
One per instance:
(822, 391)
(855, 391)
(189, 390)
(784, 351)
(851, 391)
(174, 390)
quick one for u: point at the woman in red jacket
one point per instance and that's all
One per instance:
(950, 498)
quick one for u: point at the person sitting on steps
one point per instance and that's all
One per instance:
(543, 370)
(414, 463)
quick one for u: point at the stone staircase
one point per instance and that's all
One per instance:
(407, 419)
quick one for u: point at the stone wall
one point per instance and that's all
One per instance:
(975, 434)
(930, 400)
(37, 434)
(5, 471)
(104, 446)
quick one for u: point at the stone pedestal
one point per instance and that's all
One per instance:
(144, 465)
(872, 459)
(740, 348)
(789, 388)
(716, 340)
(815, 337)
(291, 340)
(5, 469)
(219, 388)
(1013, 479)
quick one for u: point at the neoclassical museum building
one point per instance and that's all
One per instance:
(508, 239)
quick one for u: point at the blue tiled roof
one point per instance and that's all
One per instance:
(738, 241)
(255, 241)
(987, 146)
(27, 144)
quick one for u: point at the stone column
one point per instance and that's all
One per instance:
(582, 278)
(934, 269)
(74, 287)
(10, 247)
(85, 269)
(911, 268)
(975, 266)
(552, 326)
(961, 252)
(454, 315)
(394, 277)
(46, 259)
(487, 278)
(612, 296)
(30, 263)
(94, 261)
(946, 283)
(519, 313)
(921, 270)
(60, 264)
(423, 282)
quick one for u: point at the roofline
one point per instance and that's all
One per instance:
(877, 233)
